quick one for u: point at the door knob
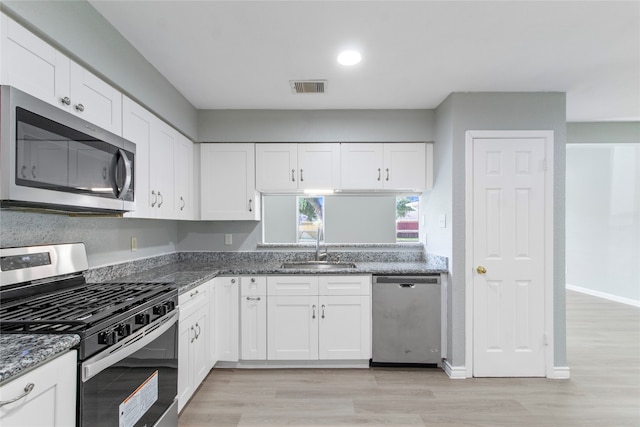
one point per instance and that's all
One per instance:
(481, 269)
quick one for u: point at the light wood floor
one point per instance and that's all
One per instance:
(603, 347)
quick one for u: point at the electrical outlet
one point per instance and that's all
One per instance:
(228, 239)
(134, 244)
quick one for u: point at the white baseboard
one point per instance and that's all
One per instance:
(454, 372)
(560, 373)
(604, 295)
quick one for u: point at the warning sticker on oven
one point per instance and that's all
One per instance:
(139, 402)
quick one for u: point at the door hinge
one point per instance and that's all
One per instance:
(545, 340)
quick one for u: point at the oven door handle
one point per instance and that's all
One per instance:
(101, 361)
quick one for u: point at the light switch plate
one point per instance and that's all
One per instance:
(228, 239)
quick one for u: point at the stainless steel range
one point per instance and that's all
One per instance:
(129, 341)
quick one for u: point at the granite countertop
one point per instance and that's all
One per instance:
(19, 353)
(193, 270)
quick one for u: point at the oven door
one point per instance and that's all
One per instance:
(135, 382)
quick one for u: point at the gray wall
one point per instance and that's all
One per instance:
(606, 132)
(108, 240)
(499, 111)
(78, 30)
(316, 125)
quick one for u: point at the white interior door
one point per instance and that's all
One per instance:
(508, 256)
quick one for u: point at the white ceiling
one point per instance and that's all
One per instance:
(242, 54)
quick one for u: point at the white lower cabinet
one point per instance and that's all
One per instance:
(253, 318)
(318, 317)
(52, 400)
(193, 341)
(227, 318)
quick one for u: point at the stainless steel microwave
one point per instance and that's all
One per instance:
(51, 159)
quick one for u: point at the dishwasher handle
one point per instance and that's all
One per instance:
(407, 281)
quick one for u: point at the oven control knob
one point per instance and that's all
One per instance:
(160, 309)
(107, 337)
(124, 330)
(143, 319)
(171, 305)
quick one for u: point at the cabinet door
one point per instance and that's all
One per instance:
(52, 402)
(227, 319)
(213, 325)
(345, 327)
(199, 357)
(163, 140)
(227, 183)
(186, 336)
(94, 100)
(32, 65)
(253, 315)
(404, 166)
(361, 166)
(318, 166)
(183, 178)
(137, 123)
(293, 327)
(276, 167)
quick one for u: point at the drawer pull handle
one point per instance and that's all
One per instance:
(314, 312)
(193, 293)
(253, 299)
(27, 389)
(407, 285)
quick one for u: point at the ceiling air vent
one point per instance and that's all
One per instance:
(308, 86)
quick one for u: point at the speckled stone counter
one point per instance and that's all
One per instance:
(190, 269)
(19, 353)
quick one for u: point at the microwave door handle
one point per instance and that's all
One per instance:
(120, 193)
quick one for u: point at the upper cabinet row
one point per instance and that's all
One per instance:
(346, 166)
(233, 174)
(34, 66)
(164, 157)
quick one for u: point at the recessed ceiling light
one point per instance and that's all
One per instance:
(349, 57)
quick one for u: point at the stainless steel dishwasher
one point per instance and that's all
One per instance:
(406, 320)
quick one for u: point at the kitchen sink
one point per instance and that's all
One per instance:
(318, 265)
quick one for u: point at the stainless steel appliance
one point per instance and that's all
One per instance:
(406, 320)
(128, 350)
(52, 159)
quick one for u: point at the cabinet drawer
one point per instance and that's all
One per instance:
(192, 300)
(345, 285)
(292, 285)
(253, 285)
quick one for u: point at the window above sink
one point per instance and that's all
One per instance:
(344, 218)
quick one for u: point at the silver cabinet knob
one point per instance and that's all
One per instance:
(65, 101)
(79, 108)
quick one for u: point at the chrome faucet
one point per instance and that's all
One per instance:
(319, 256)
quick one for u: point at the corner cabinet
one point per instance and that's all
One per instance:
(386, 166)
(193, 341)
(227, 186)
(319, 317)
(52, 400)
(292, 167)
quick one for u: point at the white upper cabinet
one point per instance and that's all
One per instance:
(94, 100)
(33, 66)
(161, 167)
(227, 186)
(154, 167)
(183, 178)
(292, 167)
(386, 166)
